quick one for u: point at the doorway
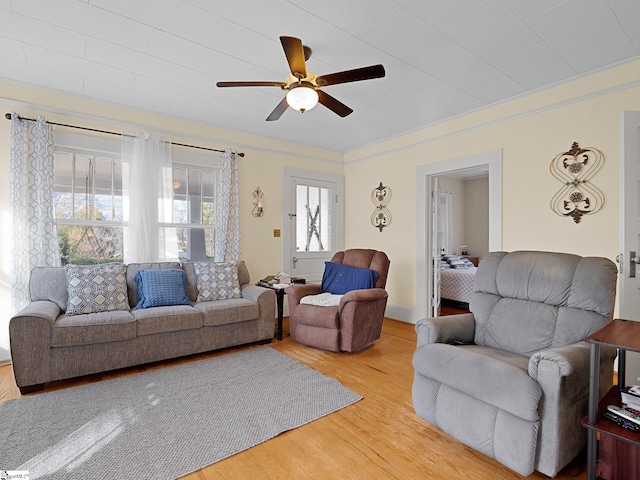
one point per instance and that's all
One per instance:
(628, 268)
(427, 253)
(313, 219)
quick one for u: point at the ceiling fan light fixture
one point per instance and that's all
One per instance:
(302, 98)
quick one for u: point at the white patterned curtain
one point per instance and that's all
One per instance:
(446, 222)
(35, 241)
(148, 198)
(227, 236)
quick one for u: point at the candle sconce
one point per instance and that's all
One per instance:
(257, 210)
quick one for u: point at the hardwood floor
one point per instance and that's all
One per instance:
(451, 310)
(377, 437)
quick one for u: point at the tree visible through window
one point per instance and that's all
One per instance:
(88, 207)
(194, 211)
(88, 201)
(313, 219)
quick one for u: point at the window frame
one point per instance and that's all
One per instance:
(182, 158)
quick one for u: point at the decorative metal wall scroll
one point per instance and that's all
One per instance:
(381, 216)
(257, 210)
(578, 196)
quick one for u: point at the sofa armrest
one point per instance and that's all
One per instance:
(563, 375)
(43, 309)
(567, 360)
(296, 292)
(30, 336)
(266, 300)
(364, 295)
(446, 329)
(253, 292)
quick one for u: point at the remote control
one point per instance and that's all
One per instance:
(623, 422)
(624, 413)
(632, 410)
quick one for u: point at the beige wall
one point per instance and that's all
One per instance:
(476, 217)
(470, 206)
(529, 131)
(457, 189)
(262, 166)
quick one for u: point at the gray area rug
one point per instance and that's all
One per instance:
(164, 423)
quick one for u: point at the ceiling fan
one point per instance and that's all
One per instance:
(303, 87)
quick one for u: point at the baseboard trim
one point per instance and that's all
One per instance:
(401, 313)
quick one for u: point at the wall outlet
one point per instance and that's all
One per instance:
(276, 232)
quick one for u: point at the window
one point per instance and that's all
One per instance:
(194, 211)
(88, 207)
(313, 219)
(88, 202)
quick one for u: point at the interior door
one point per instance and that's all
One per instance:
(313, 223)
(436, 247)
(629, 270)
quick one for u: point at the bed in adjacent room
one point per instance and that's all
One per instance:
(456, 279)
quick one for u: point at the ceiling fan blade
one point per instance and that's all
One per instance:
(364, 73)
(333, 104)
(294, 51)
(278, 111)
(251, 84)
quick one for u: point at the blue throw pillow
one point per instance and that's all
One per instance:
(339, 279)
(157, 288)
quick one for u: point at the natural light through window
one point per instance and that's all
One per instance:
(89, 203)
(313, 219)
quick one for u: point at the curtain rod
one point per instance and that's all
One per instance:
(8, 117)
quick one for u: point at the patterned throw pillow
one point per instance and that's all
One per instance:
(158, 288)
(96, 288)
(217, 281)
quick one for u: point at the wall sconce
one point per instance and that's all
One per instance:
(574, 169)
(381, 216)
(257, 205)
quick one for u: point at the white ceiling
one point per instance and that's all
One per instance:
(442, 57)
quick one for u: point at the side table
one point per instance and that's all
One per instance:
(280, 293)
(623, 335)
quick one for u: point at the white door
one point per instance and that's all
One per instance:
(313, 223)
(436, 247)
(629, 270)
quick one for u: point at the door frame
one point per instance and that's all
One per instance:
(628, 298)
(424, 226)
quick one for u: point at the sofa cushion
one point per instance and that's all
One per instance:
(496, 377)
(526, 301)
(167, 319)
(519, 326)
(339, 279)
(231, 310)
(158, 288)
(96, 288)
(217, 281)
(321, 317)
(102, 327)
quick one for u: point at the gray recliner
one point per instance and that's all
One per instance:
(511, 378)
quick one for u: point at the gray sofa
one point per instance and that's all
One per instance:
(48, 345)
(511, 378)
